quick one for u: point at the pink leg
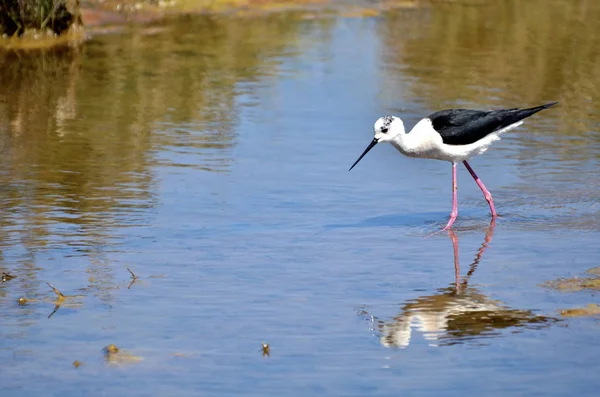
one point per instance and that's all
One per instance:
(454, 212)
(486, 193)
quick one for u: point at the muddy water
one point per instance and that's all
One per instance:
(210, 157)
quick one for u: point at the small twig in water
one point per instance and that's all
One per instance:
(132, 274)
(57, 292)
(58, 302)
(133, 278)
(56, 307)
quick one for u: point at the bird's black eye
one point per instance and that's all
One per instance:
(384, 130)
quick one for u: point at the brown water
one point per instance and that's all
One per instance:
(209, 156)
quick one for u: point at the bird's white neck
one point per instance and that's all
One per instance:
(402, 141)
(419, 142)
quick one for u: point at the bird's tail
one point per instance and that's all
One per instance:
(538, 108)
(524, 113)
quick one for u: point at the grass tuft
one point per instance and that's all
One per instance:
(20, 16)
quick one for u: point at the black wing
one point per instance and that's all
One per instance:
(464, 126)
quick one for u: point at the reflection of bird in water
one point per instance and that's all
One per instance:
(457, 313)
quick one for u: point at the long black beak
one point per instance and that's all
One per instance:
(373, 143)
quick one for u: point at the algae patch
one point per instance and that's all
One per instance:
(595, 271)
(575, 284)
(590, 310)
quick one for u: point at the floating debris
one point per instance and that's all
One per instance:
(77, 364)
(116, 356)
(266, 350)
(590, 310)
(111, 349)
(6, 277)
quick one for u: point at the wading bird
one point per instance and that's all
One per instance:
(452, 135)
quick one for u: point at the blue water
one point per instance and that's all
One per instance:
(245, 227)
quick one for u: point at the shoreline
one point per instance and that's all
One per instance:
(109, 16)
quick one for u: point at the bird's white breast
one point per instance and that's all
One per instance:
(422, 141)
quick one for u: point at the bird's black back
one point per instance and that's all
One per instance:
(465, 126)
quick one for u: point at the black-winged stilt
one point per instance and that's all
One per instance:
(452, 135)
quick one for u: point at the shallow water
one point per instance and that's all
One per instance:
(210, 157)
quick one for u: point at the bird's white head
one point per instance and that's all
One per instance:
(386, 128)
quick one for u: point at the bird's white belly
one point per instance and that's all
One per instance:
(436, 150)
